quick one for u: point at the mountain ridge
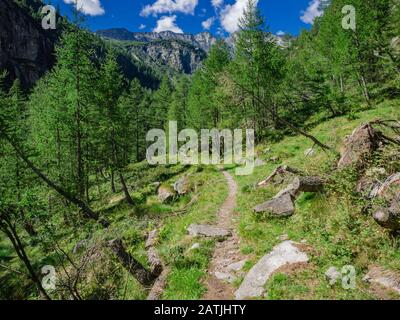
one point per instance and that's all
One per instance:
(203, 40)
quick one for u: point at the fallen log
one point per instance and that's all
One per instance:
(145, 277)
(159, 286)
(156, 267)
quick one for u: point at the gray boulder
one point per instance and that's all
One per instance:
(283, 206)
(166, 193)
(333, 275)
(207, 231)
(182, 186)
(286, 253)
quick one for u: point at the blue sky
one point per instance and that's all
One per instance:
(192, 16)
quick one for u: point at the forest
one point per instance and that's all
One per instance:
(78, 198)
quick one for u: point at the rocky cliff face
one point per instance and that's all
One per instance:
(173, 55)
(26, 50)
(181, 53)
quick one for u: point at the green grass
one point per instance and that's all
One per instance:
(331, 223)
(188, 267)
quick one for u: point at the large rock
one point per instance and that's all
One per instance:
(385, 278)
(286, 253)
(363, 141)
(182, 186)
(282, 206)
(166, 193)
(207, 231)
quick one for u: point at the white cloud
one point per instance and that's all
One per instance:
(217, 3)
(170, 6)
(314, 10)
(231, 14)
(208, 23)
(167, 24)
(142, 26)
(280, 33)
(89, 7)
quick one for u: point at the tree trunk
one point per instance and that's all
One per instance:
(79, 203)
(112, 180)
(128, 197)
(145, 277)
(12, 235)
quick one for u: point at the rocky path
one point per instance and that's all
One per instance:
(226, 258)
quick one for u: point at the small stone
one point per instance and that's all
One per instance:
(304, 241)
(274, 159)
(195, 246)
(225, 276)
(237, 266)
(207, 231)
(333, 275)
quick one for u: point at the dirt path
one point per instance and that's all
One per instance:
(226, 252)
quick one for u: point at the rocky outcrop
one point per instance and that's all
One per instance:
(181, 53)
(172, 55)
(26, 49)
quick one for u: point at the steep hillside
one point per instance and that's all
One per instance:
(27, 50)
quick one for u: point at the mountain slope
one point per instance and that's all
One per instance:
(168, 51)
